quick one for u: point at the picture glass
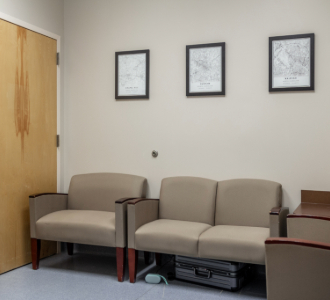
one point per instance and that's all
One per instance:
(291, 59)
(205, 69)
(132, 74)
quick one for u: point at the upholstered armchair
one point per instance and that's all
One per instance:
(94, 212)
(198, 217)
(297, 269)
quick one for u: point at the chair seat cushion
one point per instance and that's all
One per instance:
(234, 243)
(78, 226)
(170, 236)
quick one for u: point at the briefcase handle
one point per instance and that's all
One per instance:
(202, 276)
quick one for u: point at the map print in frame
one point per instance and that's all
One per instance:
(291, 63)
(205, 69)
(132, 74)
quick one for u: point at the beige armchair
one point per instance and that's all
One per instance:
(297, 269)
(94, 212)
(197, 217)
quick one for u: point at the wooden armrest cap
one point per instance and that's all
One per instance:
(122, 200)
(297, 242)
(309, 217)
(43, 194)
(275, 211)
(135, 201)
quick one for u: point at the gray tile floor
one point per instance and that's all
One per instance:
(90, 276)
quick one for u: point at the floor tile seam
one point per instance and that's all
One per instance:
(145, 292)
(239, 294)
(253, 293)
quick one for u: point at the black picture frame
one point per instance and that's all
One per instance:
(147, 75)
(221, 92)
(293, 88)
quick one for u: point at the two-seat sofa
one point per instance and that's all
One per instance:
(93, 213)
(227, 220)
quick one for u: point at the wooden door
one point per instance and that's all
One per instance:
(28, 153)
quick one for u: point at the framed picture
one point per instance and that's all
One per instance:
(132, 74)
(291, 63)
(205, 69)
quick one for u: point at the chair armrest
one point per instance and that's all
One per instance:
(278, 226)
(324, 218)
(140, 200)
(123, 200)
(44, 204)
(297, 242)
(43, 194)
(275, 211)
(309, 227)
(295, 267)
(139, 212)
(121, 221)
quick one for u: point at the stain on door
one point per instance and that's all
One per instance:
(22, 103)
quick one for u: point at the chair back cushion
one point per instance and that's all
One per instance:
(99, 191)
(246, 202)
(188, 199)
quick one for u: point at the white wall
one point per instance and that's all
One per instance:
(48, 15)
(248, 133)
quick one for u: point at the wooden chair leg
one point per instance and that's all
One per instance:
(146, 257)
(35, 252)
(158, 259)
(132, 264)
(69, 246)
(121, 259)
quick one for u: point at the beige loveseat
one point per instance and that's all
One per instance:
(227, 220)
(93, 213)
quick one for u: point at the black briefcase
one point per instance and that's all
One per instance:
(222, 274)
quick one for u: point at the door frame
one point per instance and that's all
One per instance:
(56, 37)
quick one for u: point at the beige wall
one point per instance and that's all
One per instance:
(48, 15)
(248, 133)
